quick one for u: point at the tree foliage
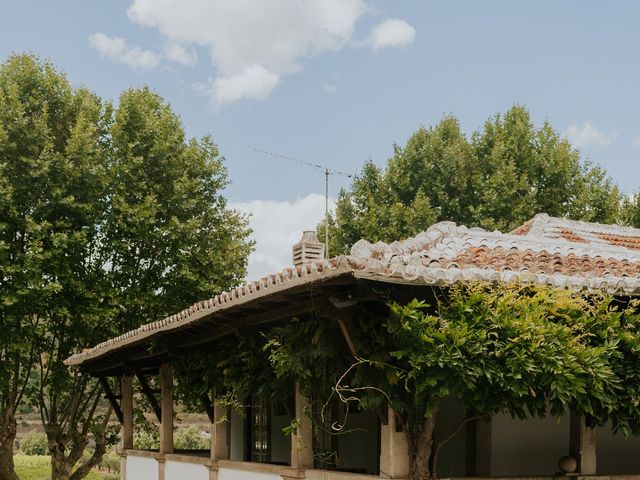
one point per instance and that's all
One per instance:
(529, 351)
(109, 217)
(497, 178)
(237, 367)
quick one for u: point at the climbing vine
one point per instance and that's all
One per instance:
(528, 351)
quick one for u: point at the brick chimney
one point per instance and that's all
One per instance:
(308, 249)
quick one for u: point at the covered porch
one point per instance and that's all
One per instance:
(251, 445)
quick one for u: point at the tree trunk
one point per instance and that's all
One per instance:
(60, 469)
(424, 450)
(7, 437)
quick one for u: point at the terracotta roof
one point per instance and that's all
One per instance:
(544, 226)
(545, 250)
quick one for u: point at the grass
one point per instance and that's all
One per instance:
(36, 467)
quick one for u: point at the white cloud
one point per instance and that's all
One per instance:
(587, 135)
(177, 53)
(252, 44)
(391, 33)
(328, 87)
(277, 227)
(116, 49)
(254, 82)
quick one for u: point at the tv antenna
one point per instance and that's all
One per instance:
(327, 171)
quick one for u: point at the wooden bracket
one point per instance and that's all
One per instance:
(149, 393)
(208, 407)
(346, 326)
(112, 398)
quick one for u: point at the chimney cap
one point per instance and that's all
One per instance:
(308, 249)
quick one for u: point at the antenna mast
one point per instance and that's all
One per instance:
(327, 171)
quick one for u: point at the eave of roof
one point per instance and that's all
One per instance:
(539, 252)
(267, 286)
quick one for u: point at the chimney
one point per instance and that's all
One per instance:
(308, 249)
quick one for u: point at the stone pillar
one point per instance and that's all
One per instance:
(478, 451)
(166, 405)
(302, 439)
(394, 449)
(162, 467)
(123, 466)
(220, 433)
(582, 444)
(126, 389)
(213, 472)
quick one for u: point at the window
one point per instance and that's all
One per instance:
(325, 440)
(259, 430)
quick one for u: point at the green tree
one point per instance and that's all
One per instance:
(50, 187)
(498, 178)
(110, 218)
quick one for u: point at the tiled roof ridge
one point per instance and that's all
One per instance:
(539, 222)
(458, 238)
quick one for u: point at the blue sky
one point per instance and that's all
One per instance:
(338, 82)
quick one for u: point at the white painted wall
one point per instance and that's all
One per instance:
(229, 474)
(358, 450)
(183, 471)
(534, 446)
(280, 443)
(528, 447)
(451, 460)
(141, 468)
(617, 454)
(237, 435)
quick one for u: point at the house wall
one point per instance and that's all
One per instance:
(236, 443)
(534, 446)
(358, 450)
(280, 443)
(141, 467)
(175, 470)
(230, 474)
(617, 455)
(528, 447)
(451, 460)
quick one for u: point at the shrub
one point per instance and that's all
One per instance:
(190, 439)
(34, 443)
(146, 440)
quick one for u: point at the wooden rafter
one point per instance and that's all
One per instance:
(149, 393)
(208, 407)
(346, 327)
(104, 381)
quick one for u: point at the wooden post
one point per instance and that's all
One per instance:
(582, 444)
(394, 449)
(302, 439)
(220, 433)
(478, 451)
(126, 388)
(166, 404)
